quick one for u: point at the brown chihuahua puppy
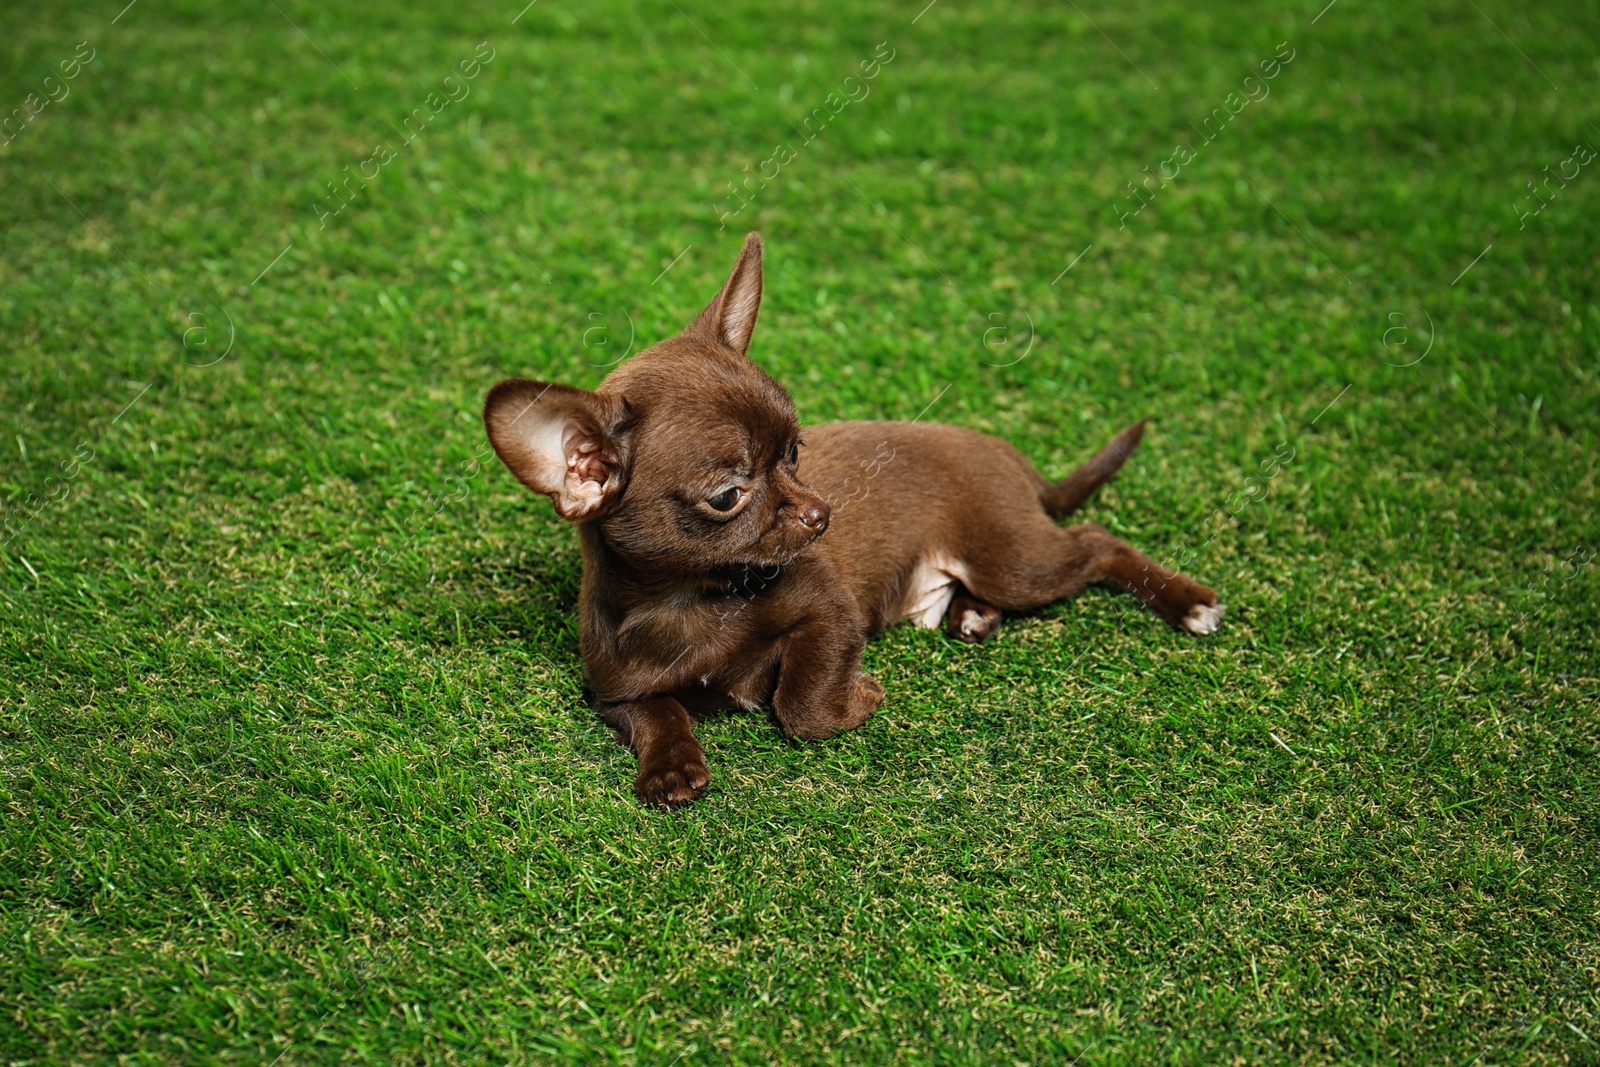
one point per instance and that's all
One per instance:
(706, 579)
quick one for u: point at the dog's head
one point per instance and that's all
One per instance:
(685, 455)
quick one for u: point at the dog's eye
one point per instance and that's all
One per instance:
(794, 453)
(725, 500)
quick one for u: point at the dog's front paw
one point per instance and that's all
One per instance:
(1203, 618)
(861, 698)
(865, 696)
(673, 777)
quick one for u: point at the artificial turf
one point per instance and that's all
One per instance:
(295, 764)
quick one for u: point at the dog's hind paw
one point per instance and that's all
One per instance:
(972, 620)
(1203, 619)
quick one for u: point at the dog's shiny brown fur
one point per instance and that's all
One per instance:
(690, 603)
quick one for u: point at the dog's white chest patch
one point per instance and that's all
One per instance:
(932, 587)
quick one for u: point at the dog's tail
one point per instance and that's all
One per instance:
(1067, 495)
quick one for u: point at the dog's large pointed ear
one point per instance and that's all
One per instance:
(730, 318)
(569, 444)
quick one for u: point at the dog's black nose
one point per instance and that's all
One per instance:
(814, 517)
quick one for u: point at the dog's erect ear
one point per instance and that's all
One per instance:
(569, 444)
(730, 318)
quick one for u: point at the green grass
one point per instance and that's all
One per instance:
(296, 765)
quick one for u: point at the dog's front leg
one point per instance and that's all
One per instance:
(672, 765)
(821, 690)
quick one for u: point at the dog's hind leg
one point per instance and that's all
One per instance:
(973, 619)
(1029, 563)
